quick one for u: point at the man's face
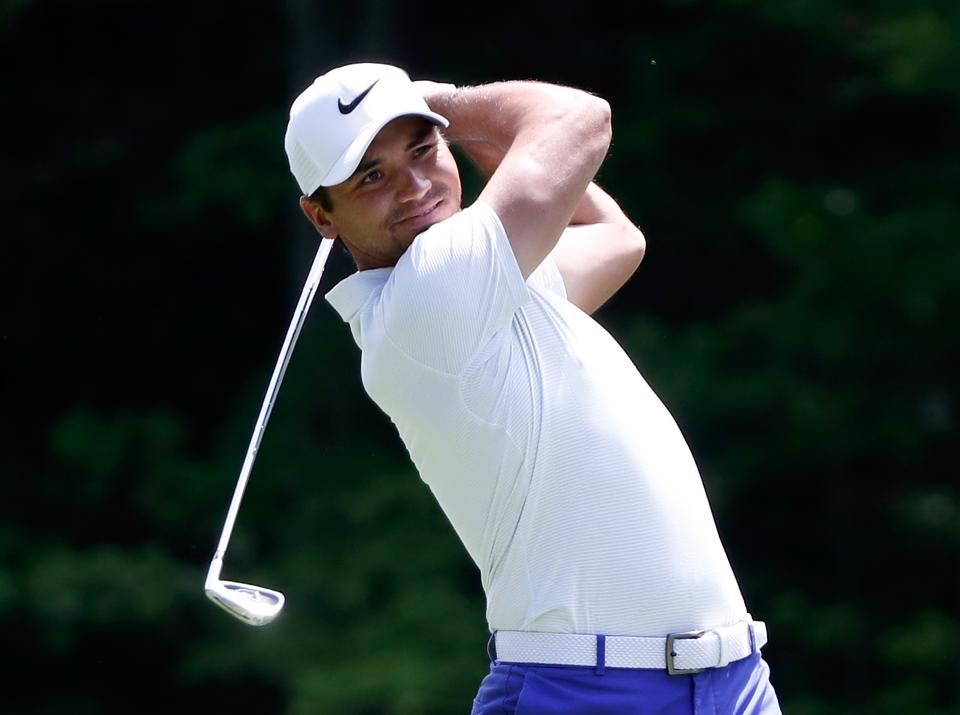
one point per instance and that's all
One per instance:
(406, 182)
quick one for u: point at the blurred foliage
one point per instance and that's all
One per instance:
(795, 167)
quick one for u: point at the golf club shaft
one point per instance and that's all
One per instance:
(309, 289)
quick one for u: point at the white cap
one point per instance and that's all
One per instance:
(336, 118)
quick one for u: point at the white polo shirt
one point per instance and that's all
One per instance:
(561, 471)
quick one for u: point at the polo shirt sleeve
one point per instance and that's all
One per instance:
(455, 288)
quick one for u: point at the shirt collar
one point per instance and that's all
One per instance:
(350, 295)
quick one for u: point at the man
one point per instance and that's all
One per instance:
(569, 483)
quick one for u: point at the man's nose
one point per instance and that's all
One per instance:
(414, 185)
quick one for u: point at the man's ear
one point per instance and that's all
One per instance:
(318, 217)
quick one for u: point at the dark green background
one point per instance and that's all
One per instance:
(795, 167)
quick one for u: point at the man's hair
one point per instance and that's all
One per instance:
(322, 197)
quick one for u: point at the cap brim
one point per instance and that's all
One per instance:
(348, 162)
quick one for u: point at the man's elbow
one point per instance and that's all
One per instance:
(634, 246)
(601, 109)
(601, 126)
(588, 125)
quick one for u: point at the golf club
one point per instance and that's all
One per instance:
(256, 605)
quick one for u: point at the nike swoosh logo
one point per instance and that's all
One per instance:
(347, 108)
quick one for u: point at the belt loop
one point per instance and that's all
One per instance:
(752, 633)
(492, 647)
(601, 655)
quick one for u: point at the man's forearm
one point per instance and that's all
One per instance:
(597, 206)
(484, 155)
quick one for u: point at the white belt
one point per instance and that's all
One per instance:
(677, 653)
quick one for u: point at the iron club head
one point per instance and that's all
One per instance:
(254, 605)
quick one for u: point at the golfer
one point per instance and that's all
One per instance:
(569, 483)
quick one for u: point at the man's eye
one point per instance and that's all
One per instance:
(372, 177)
(422, 150)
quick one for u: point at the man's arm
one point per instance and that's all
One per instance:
(597, 252)
(551, 140)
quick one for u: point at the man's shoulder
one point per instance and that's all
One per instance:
(355, 291)
(456, 251)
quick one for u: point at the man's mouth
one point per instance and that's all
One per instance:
(421, 214)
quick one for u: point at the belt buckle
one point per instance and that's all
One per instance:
(671, 638)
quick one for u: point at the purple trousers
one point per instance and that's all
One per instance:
(741, 688)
